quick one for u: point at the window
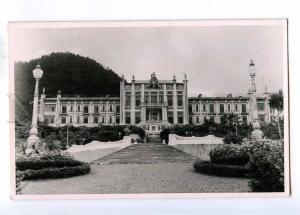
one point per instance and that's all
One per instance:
(170, 117)
(153, 97)
(110, 120)
(261, 118)
(190, 119)
(212, 119)
(64, 109)
(180, 100)
(78, 108)
(153, 128)
(103, 108)
(245, 121)
(221, 108)
(260, 106)
(86, 109)
(137, 119)
(190, 108)
(78, 119)
(103, 119)
(137, 101)
(127, 118)
(71, 120)
(96, 109)
(118, 108)
(211, 108)
(197, 108)
(96, 119)
(117, 119)
(85, 120)
(204, 107)
(236, 107)
(170, 100)
(180, 117)
(53, 109)
(110, 108)
(63, 120)
(52, 120)
(197, 119)
(228, 107)
(71, 108)
(127, 100)
(244, 108)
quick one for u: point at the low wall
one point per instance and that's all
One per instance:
(197, 146)
(95, 145)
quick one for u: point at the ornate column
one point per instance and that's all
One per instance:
(122, 101)
(33, 139)
(143, 108)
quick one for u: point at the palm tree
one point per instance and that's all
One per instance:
(276, 102)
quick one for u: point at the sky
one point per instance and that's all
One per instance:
(214, 58)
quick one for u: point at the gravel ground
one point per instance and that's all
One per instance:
(138, 178)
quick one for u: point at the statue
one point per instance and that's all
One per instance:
(153, 83)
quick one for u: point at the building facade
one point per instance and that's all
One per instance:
(151, 104)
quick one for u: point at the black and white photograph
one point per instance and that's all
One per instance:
(139, 109)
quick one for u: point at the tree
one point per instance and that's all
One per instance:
(276, 102)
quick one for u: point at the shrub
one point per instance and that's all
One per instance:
(271, 131)
(233, 139)
(229, 155)
(164, 135)
(56, 166)
(266, 166)
(220, 170)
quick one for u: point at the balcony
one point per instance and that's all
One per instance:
(153, 104)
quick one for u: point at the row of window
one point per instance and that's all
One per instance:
(211, 108)
(153, 99)
(212, 119)
(86, 120)
(96, 108)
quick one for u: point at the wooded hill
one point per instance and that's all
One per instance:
(70, 73)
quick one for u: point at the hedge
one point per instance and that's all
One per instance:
(35, 164)
(49, 167)
(62, 172)
(220, 170)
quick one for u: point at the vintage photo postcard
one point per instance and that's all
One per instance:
(149, 109)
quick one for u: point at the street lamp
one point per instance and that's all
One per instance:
(33, 139)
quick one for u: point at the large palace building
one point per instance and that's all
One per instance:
(151, 104)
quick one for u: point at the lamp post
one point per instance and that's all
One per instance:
(256, 133)
(33, 139)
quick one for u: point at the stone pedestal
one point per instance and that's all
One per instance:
(256, 133)
(32, 141)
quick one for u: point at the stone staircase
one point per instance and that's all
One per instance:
(146, 153)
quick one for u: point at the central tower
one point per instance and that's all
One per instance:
(154, 104)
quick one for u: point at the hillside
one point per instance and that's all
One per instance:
(70, 73)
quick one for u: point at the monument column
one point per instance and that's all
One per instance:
(175, 118)
(165, 101)
(122, 101)
(143, 108)
(256, 133)
(186, 104)
(132, 103)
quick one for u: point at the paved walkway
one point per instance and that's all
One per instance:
(140, 168)
(147, 153)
